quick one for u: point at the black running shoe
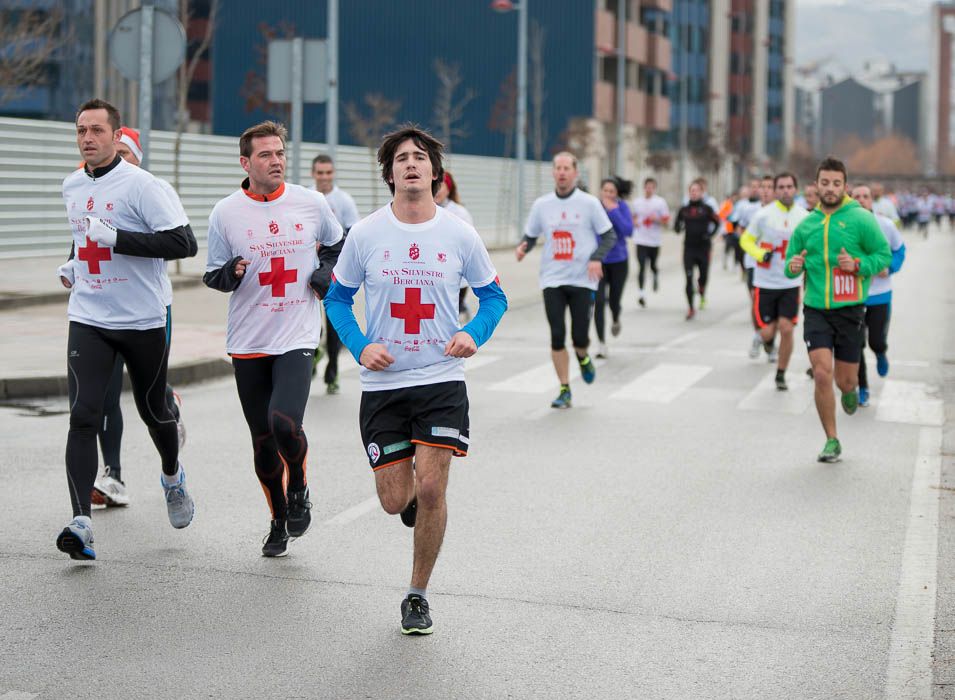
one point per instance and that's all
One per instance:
(276, 542)
(781, 383)
(410, 514)
(299, 512)
(415, 618)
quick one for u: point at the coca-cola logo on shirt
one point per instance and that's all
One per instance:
(273, 228)
(109, 206)
(89, 204)
(414, 252)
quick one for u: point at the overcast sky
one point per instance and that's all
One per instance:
(853, 31)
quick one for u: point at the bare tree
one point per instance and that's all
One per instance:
(29, 43)
(449, 111)
(502, 120)
(255, 86)
(367, 129)
(186, 73)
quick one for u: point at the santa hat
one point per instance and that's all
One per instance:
(131, 138)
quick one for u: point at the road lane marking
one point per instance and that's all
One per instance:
(909, 672)
(766, 397)
(909, 402)
(541, 379)
(663, 383)
(479, 360)
(353, 513)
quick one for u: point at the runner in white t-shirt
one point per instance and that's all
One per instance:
(109, 488)
(344, 209)
(124, 229)
(447, 197)
(411, 256)
(650, 215)
(577, 236)
(263, 240)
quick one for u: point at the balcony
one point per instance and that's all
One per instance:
(658, 113)
(642, 110)
(606, 31)
(638, 43)
(636, 108)
(604, 105)
(660, 53)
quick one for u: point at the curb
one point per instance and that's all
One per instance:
(178, 375)
(15, 300)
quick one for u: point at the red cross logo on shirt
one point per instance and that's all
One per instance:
(412, 311)
(93, 255)
(277, 277)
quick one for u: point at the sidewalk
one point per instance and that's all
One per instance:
(33, 316)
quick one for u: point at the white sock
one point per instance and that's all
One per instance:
(168, 480)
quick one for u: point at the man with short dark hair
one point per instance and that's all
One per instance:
(775, 296)
(838, 247)
(343, 207)
(263, 240)
(411, 256)
(124, 229)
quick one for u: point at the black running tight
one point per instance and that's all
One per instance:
(877, 328)
(91, 358)
(700, 259)
(614, 279)
(580, 301)
(646, 255)
(273, 391)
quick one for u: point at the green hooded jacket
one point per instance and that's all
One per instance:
(822, 236)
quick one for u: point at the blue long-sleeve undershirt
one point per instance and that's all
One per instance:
(898, 257)
(340, 299)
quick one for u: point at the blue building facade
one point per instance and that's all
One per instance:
(775, 144)
(690, 37)
(390, 48)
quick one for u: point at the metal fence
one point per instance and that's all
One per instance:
(35, 156)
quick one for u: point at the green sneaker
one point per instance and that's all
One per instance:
(831, 452)
(702, 302)
(850, 402)
(332, 387)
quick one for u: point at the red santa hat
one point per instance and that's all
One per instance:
(131, 138)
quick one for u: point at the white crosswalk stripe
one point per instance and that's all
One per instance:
(663, 383)
(909, 402)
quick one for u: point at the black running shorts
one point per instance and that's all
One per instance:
(393, 421)
(772, 304)
(841, 330)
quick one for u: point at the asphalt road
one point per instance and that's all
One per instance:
(671, 536)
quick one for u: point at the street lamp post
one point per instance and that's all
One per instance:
(521, 126)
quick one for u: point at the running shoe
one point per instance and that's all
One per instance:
(602, 351)
(415, 616)
(332, 388)
(773, 356)
(77, 539)
(656, 282)
(863, 396)
(642, 302)
(615, 328)
(850, 402)
(299, 512)
(180, 426)
(275, 543)
(755, 347)
(690, 315)
(410, 514)
(702, 302)
(562, 400)
(109, 491)
(587, 370)
(316, 358)
(831, 452)
(781, 383)
(881, 364)
(179, 504)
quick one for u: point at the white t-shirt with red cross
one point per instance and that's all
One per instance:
(773, 226)
(110, 290)
(570, 226)
(177, 203)
(412, 274)
(343, 207)
(650, 215)
(273, 310)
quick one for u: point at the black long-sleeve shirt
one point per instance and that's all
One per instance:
(699, 221)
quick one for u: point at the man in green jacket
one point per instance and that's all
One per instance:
(839, 246)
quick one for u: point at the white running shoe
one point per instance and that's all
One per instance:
(179, 504)
(755, 347)
(109, 491)
(773, 356)
(602, 351)
(76, 539)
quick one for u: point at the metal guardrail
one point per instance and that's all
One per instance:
(35, 157)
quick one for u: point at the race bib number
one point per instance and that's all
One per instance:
(563, 245)
(844, 286)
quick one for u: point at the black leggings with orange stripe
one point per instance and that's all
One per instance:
(273, 391)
